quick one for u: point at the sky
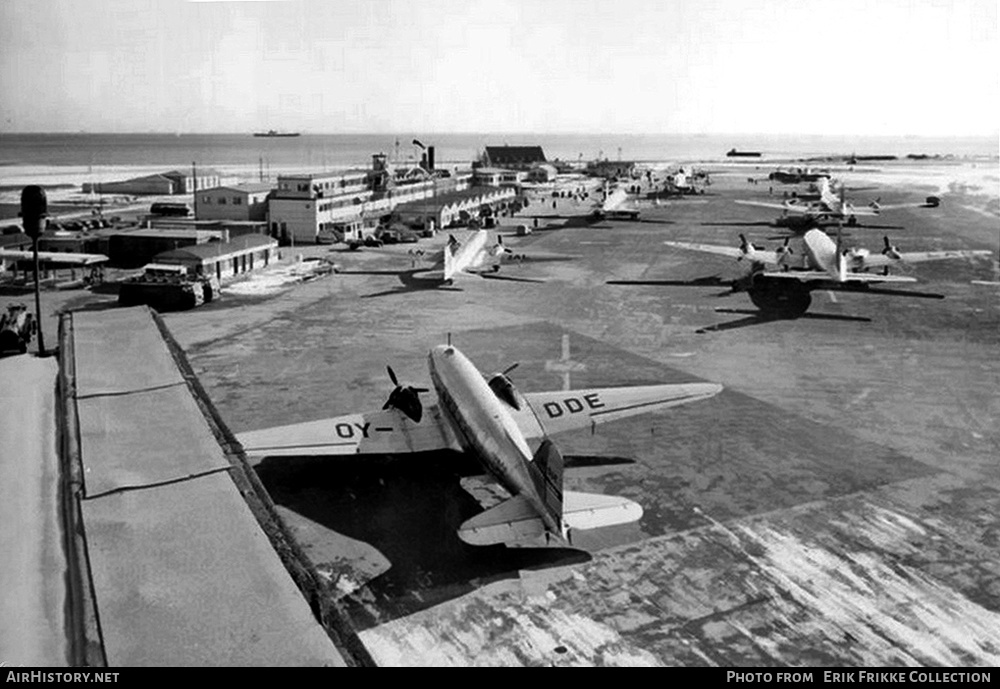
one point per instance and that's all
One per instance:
(908, 67)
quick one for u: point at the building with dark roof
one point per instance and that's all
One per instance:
(513, 157)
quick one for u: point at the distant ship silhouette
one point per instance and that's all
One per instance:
(272, 132)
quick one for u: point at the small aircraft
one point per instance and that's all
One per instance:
(798, 175)
(833, 206)
(488, 418)
(682, 183)
(480, 253)
(617, 205)
(784, 290)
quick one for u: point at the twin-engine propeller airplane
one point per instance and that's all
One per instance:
(491, 420)
(480, 253)
(617, 204)
(833, 206)
(780, 281)
(798, 175)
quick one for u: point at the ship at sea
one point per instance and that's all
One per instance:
(272, 132)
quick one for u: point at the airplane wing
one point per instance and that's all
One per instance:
(867, 211)
(54, 257)
(380, 432)
(878, 260)
(814, 275)
(564, 410)
(788, 207)
(929, 202)
(758, 255)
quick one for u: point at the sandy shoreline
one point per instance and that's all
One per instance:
(64, 183)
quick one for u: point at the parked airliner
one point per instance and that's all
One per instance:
(494, 422)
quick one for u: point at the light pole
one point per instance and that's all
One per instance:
(34, 210)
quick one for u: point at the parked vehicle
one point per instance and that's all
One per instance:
(16, 328)
(369, 240)
(397, 235)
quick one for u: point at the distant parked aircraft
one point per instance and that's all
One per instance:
(488, 418)
(780, 282)
(833, 206)
(798, 175)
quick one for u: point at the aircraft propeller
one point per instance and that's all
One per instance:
(890, 250)
(405, 399)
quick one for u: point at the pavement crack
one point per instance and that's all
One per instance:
(157, 484)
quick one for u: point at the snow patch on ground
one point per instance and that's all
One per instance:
(274, 279)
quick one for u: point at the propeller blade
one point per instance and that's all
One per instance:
(392, 376)
(511, 368)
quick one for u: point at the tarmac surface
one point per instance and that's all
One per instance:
(836, 505)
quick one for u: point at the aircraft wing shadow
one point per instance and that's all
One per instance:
(758, 317)
(509, 278)
(710, 281)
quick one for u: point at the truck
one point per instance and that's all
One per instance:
(16, 328)
(167, 287)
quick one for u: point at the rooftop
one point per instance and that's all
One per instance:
(247, 187)
(508, 155)
(212, 249)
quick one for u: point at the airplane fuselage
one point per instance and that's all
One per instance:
(484, 426)
(822, 253)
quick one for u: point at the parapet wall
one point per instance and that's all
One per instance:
(178, 541)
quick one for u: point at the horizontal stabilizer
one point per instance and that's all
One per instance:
(512, 520)
(515, 520)
(591, 511)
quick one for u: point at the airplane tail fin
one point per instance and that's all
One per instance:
(841, 254)
(546, 469)
(449, 261)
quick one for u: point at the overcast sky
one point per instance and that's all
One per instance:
(928, 67)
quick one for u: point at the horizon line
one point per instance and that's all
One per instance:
(995, 135)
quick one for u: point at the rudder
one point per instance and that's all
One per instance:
(546, 469)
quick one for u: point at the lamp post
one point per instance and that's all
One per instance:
(34, 210)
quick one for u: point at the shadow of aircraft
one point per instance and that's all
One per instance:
(756, 317)
(409, 509)
(777, 301)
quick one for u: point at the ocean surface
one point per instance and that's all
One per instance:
(333, 151)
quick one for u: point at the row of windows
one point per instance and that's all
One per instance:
(317, 186)
(222, 201)
(356, 201)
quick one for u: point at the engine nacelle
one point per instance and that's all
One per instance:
(505, 391)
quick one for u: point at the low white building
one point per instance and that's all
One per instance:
(223, 260)
(496, 177)
(455, 207)
(234, 202)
